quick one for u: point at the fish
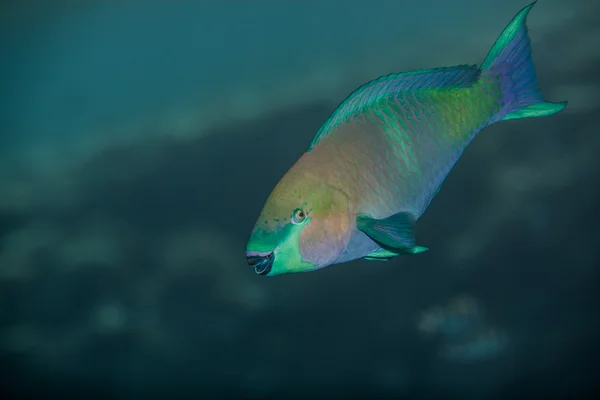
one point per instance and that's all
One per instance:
(376, 163)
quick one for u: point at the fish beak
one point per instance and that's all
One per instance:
(262, 263)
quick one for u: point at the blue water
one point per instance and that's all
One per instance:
(125, 274)
(78, 73)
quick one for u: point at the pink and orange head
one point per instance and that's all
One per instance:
(303, 226)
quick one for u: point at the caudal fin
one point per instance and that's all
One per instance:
(510, 60)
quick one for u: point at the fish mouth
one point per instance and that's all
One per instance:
(261, 262)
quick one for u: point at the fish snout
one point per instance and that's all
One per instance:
(261, 262)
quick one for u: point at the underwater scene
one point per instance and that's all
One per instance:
(300, 199)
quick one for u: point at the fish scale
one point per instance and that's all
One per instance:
(412, 148)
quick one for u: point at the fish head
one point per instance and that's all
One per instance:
(303, 226)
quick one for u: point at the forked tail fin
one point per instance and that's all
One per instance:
(510, 60)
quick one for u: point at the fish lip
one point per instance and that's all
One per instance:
(261, 262)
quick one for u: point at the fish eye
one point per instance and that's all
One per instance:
(298, 216)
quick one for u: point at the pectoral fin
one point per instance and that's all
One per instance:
(395, 232)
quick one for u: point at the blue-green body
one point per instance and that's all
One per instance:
(387, 149)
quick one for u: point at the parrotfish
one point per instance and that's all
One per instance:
(377, 162)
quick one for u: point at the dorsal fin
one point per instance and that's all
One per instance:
(389, 85)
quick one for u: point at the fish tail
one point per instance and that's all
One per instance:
(510, 62)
